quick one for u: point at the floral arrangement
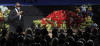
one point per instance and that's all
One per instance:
(87, 15)
(4, 11)
(88, 22)
(62, 19)
(68, 19)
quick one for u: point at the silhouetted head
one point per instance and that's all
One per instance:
(80, 43)
(44, 32)
(37, 31)
(61, 42)
(43, 42)
(54, 33)
(62, 35)
(70, 39)
(20, 38)
(29, 31)
(83, 40)
(69, 31)
(61, 31)
(47, 37)
(88, 29)
(55, 42)
(90, 43)
(94, 31)
(79, 32)
(37, 39)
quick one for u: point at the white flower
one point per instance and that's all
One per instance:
(44, 18)
(83, 7)
(1, 6)
(50, 18)
(55, 21)
(5, 11)
(5, 8)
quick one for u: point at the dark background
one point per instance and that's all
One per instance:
(52, 2)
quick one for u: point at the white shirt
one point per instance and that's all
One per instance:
(19, 15)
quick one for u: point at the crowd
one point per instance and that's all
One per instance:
(41, 37)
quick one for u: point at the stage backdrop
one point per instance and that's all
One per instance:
(36, 12)
(51, 2)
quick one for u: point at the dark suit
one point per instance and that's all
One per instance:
(14, 20)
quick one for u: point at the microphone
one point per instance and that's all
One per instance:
(20, 11)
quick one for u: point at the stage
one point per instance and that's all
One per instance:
(36, 12)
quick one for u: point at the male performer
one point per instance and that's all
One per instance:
(15, 19)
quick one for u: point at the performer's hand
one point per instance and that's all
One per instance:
(19, 13)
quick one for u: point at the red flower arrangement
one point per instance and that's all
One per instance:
(70, 18)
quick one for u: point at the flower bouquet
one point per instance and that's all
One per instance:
(60, 19)
(4, 11)
(87, 16)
